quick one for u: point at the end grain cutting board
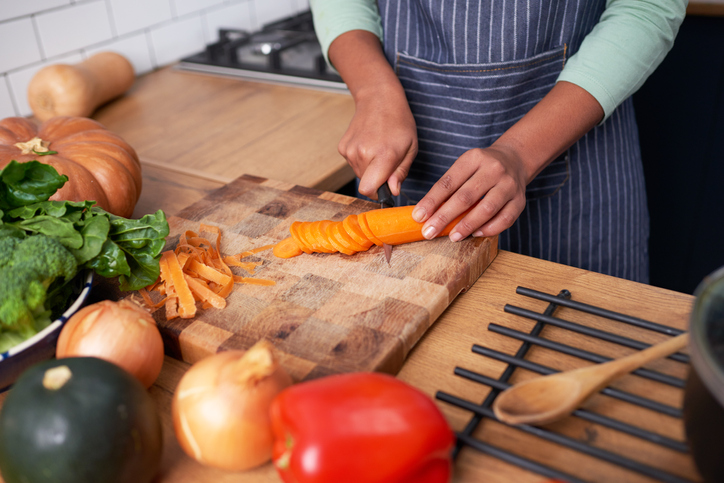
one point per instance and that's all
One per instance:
(327, 313)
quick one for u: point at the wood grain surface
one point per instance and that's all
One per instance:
(326, 313)
(226, 127)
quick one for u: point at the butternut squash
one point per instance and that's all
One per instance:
(77, 90)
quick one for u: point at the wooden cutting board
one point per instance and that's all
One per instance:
(326, 313)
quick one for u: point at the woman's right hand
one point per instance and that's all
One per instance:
(381, 140)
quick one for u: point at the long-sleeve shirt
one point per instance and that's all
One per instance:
(628, 43)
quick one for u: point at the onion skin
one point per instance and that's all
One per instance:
(122, 332)
(220, 409)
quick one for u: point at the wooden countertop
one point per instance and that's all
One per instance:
(219, 128)
(188, 150)
(447, 345)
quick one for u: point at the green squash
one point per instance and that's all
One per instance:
(79, 420)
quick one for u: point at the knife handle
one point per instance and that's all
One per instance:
(384, 195)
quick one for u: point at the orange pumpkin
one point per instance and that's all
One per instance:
(100, 166)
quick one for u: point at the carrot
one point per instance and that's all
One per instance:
(338, 245)
(356, 233)
(197, 272)
(187, 305)
(352, 228)
(287, 248)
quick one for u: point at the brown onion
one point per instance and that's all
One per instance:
(123, 333)
(221, 407)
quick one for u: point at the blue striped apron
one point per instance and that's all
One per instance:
(470, 70)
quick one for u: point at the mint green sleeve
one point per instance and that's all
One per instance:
(624, 48)
(332, 18)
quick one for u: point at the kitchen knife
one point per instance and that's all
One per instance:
(384, 196)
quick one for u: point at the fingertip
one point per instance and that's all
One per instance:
(419, 214)
(429, 232)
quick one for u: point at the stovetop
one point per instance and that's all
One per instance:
(286, 51)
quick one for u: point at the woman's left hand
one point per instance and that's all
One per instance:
(491, 180)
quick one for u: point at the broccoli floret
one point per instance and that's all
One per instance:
(7, 248)
(35, 263)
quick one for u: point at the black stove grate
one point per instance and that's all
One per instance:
(529, 339)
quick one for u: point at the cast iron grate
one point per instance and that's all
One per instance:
(484, 410)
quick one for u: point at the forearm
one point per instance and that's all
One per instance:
(381, 141)
(560, 119)
(358, 57)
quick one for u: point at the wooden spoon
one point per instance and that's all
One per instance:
(549, 398)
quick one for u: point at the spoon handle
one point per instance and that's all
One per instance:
(633, 361)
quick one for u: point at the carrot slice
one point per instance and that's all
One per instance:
(320, 237)
(352, 228)
(294, 229)
(205, 294)
(187, 304)
(209, 273)
(339, 247)
(196, 272)
(253, 281)
(344, 238)
(287, 248)
(362, 220)
(324, 237)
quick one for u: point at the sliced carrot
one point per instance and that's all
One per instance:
(209, 273)
(339, 232)
(301, 242)
(339, 247)
(196, 272)
(287, 248)
(352, 228)
(187, 304)
(253, 281)
(362, 219)
(324, 237)
(319, 237)
(205, 294)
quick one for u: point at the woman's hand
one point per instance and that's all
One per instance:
(492, 181)
(381, 140)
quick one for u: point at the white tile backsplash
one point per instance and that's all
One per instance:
(171, 42)
(72, 28)
(237, 16)
(185, 7)
(21, 36)
(267, 11)
(134, 47)
(18, 8)
(6, 100)
(132, 15)
(150, 33)
(20, 79)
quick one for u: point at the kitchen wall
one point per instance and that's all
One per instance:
(150, 33)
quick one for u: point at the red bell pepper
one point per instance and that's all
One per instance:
(359, 427)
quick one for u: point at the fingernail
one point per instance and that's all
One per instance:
(418, 214)
(429, 232)
(455, 236)
(478, 233)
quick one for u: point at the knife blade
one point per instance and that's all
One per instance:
(384, 196)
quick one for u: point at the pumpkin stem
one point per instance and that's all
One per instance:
(35, 145)
(55, 378)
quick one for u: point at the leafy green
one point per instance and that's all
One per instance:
(109, 245)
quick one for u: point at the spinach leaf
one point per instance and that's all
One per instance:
(95, 233)
(25, 183)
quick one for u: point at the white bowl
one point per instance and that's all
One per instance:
(41, 346)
